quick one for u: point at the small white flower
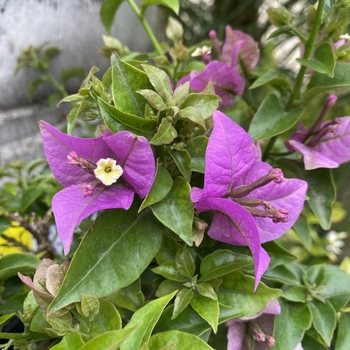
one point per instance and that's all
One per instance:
(107, 171)
(335, 241)
(201, 51)
(345, 36)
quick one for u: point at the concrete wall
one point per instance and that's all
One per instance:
(72, 25)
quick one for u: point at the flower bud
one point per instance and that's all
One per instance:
(278, 16)
(174, 30)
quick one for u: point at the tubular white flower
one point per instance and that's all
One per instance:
(107, 171)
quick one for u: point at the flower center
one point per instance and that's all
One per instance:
(107, 171)
(239, 194)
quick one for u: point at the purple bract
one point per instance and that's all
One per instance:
(97, 173)
(251, 201)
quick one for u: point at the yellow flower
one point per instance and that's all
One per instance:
(18, 234)
(107, 171)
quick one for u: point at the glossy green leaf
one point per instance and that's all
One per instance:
(126, 80)
(108, 11)
(207, 308)
(296, 293)
(168, 270)
(298, 319)
(60, 324)
(171, 4)
(182, 160)
(321, 194)
(277, 80)
(205, 104)
(183, 341)
(107, 319)
(159, 80)
(322, 83)
(176, 211)
(110, 340)
(278, 254)
(287, 273)
(165, 134)
(145, 318)
(302, 229)
(181, 92)
(222, 262)
(313, 343)
(323, 318)
(113, 236)
(90, 306)
(343, 334)
(116, 120)
(168, 286)
(24, 263)
(184, 262)
(168, 249)
(206, 289)
(130, 297)
(182, 300)
(153, 99)
(323, 60)
(5, 318)
(71, 341)
(192, 114)
(237, 290)
(196, 148)
(273, 117)
(162, 184)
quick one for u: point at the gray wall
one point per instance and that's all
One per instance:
(72, 25)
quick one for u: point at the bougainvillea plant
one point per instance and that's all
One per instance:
(207, 209)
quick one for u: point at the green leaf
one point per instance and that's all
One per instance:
(196, 148)
(61, 324)
(153, 99)
(5, 318)
(182, 300)
(34, 84)
(237, 290)
(111, 265)
(207, 308)
(321, 194)
(29, 197)
(168, 286)
(273, 117)
(130, 297)
(184, 262)
(322, 83)
(278, 255)
(181, 93)
(165, 134)
(171, 4)
(343, 334)
(159, 80)
(74, 114)
(90, 306)
(323, 318)
(116, 121)
(222, 262)
(206, 289)
(272, 78)
(192, 114)
(126, 80)
(287, 273)
(162, 184)
(323, 60)
(205, 104)
(24, 263)
(313, 342)
(296, 293)
(183, 341)
(298, 319)
(176, 211)
(69, 73)
(168, 270)
(107, 319)
(302, 229)
(182, 160)
(110, 340)
(108, 11)
(71, 341)
(145, 318)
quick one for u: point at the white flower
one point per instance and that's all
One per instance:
(335, 241)
(201, 51)
(107, 171)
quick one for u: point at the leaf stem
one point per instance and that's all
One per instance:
(307, 54)
(141, 16)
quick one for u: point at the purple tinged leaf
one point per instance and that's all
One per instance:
(58, 145)
(226, 80)
(240, 46)
(234, 225)
(333, 150)
(230, 153)
(70, 207)
(136, 158)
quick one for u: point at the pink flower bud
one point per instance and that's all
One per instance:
(276, 175)
(73, 158)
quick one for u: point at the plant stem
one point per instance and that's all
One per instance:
(55, 83)
(146, 27)
(307, 54)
